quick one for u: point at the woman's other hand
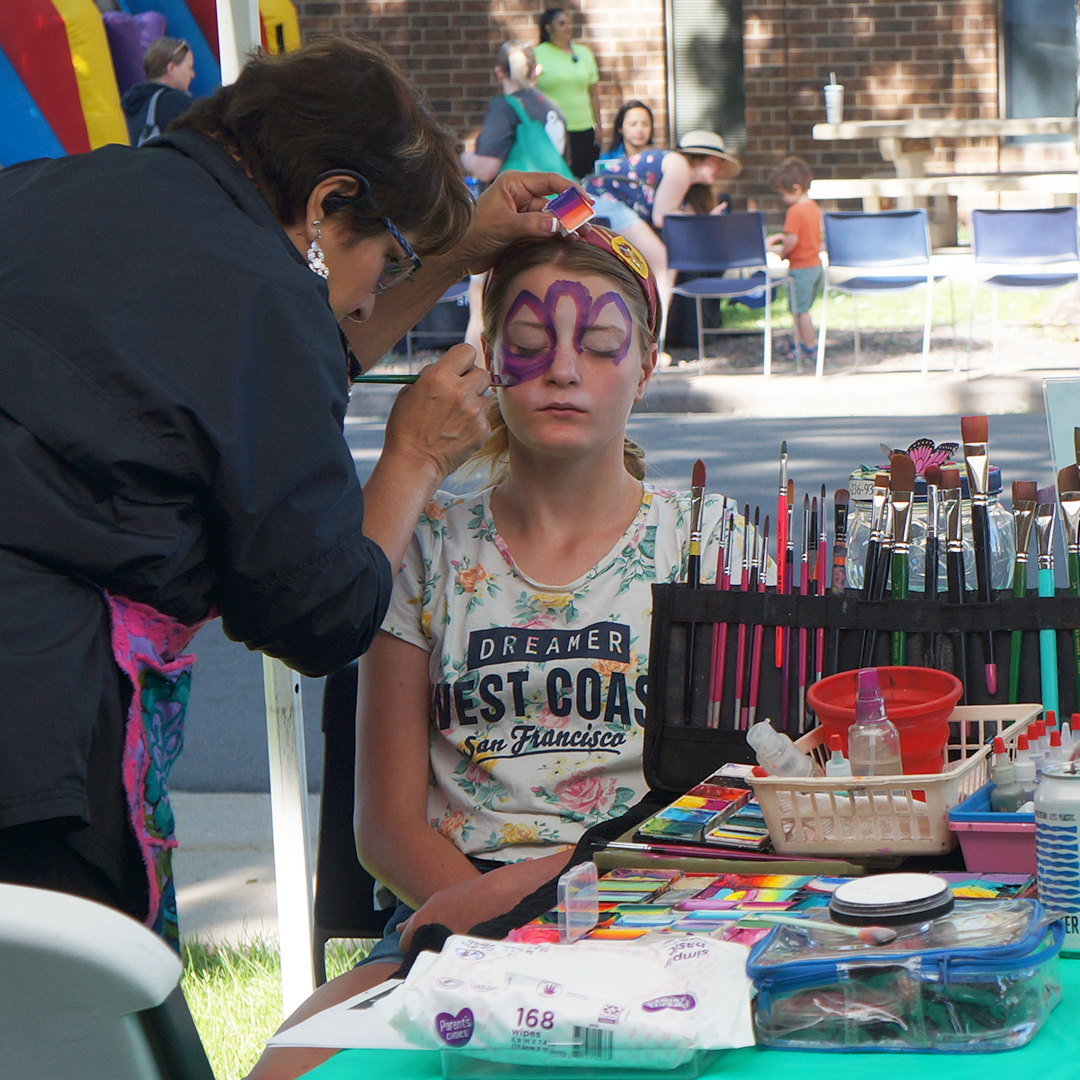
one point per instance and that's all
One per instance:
(510, 209)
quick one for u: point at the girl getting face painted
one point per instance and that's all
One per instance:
(575, 322)
(601, 327)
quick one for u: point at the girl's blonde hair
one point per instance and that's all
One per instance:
(577, 257)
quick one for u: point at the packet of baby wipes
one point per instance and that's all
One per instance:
(597, 1004)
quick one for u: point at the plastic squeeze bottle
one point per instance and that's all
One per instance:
(1024, 768)
(1006, 796)
(837, 765)
(777, 754)
(873, 741)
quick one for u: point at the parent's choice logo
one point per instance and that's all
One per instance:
(678, 1002)
(455, 1030)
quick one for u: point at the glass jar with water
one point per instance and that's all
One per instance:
(1002, 538)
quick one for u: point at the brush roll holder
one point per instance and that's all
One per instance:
(1002, 536)
(680, 747)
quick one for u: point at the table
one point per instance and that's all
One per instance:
(1054, 1054)
(909, 143)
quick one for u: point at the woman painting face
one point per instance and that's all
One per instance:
(571, 341)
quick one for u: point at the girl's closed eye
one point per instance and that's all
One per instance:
(528, 339)
(604, 341)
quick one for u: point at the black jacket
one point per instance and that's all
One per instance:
(172, 392)
(171, 104)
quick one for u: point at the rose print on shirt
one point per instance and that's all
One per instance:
(473, 581)
(455, 822)
(588, 796)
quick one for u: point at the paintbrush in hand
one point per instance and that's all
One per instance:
(975, 432)
(954, 565)
(1044, 533)
(1024, 493)
(1069, 501)
(693, 577)
(902, 494)
(932, 553)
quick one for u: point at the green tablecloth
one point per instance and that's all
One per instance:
(1054, 1054)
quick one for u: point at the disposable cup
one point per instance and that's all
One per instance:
(834, 103)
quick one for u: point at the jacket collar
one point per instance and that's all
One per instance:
(230, 176)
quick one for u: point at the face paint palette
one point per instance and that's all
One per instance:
(571, 208)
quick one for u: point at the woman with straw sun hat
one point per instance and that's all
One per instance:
(635, 194)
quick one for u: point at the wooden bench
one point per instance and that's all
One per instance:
(909, 144)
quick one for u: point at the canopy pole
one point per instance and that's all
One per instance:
(288, 810)
(239, 32)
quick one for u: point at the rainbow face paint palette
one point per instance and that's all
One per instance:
(638, 905)
(571, 208)
(711, 813)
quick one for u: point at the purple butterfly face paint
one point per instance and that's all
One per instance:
(528, 350)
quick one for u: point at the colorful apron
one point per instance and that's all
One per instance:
(146, 645)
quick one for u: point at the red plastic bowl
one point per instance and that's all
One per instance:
(918, 701)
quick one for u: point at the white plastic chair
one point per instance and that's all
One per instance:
(87, 993)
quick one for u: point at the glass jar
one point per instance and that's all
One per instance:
(1002, 536)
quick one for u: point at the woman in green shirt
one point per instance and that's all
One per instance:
(569, 76)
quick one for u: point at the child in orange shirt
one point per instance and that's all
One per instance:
(800, 244)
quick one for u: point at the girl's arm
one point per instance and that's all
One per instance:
(672, 189)
(394, 841)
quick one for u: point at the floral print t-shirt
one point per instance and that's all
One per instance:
(538, 691)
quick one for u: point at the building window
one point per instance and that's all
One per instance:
(705, 69)
(1038, 57)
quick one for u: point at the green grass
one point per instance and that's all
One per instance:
(234, 993)
(905, 309)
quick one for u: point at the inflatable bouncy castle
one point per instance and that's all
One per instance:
(64, 66)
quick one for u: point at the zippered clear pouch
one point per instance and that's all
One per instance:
(984, 977)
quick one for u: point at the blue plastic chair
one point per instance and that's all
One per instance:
(877, 253)
(715, 243)
(1021, 249)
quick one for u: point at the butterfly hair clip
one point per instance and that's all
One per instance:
(924, 453)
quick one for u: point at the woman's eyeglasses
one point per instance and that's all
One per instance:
(396, 271)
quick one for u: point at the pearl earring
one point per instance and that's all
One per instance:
(315, 253)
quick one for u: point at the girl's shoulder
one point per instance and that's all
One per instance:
(446, 515)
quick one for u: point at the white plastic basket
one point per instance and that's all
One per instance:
(884, 815)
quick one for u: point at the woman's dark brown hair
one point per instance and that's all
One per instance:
(341, 103)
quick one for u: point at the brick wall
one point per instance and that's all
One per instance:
(909, 58)
(900, 60)
(448, 47)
